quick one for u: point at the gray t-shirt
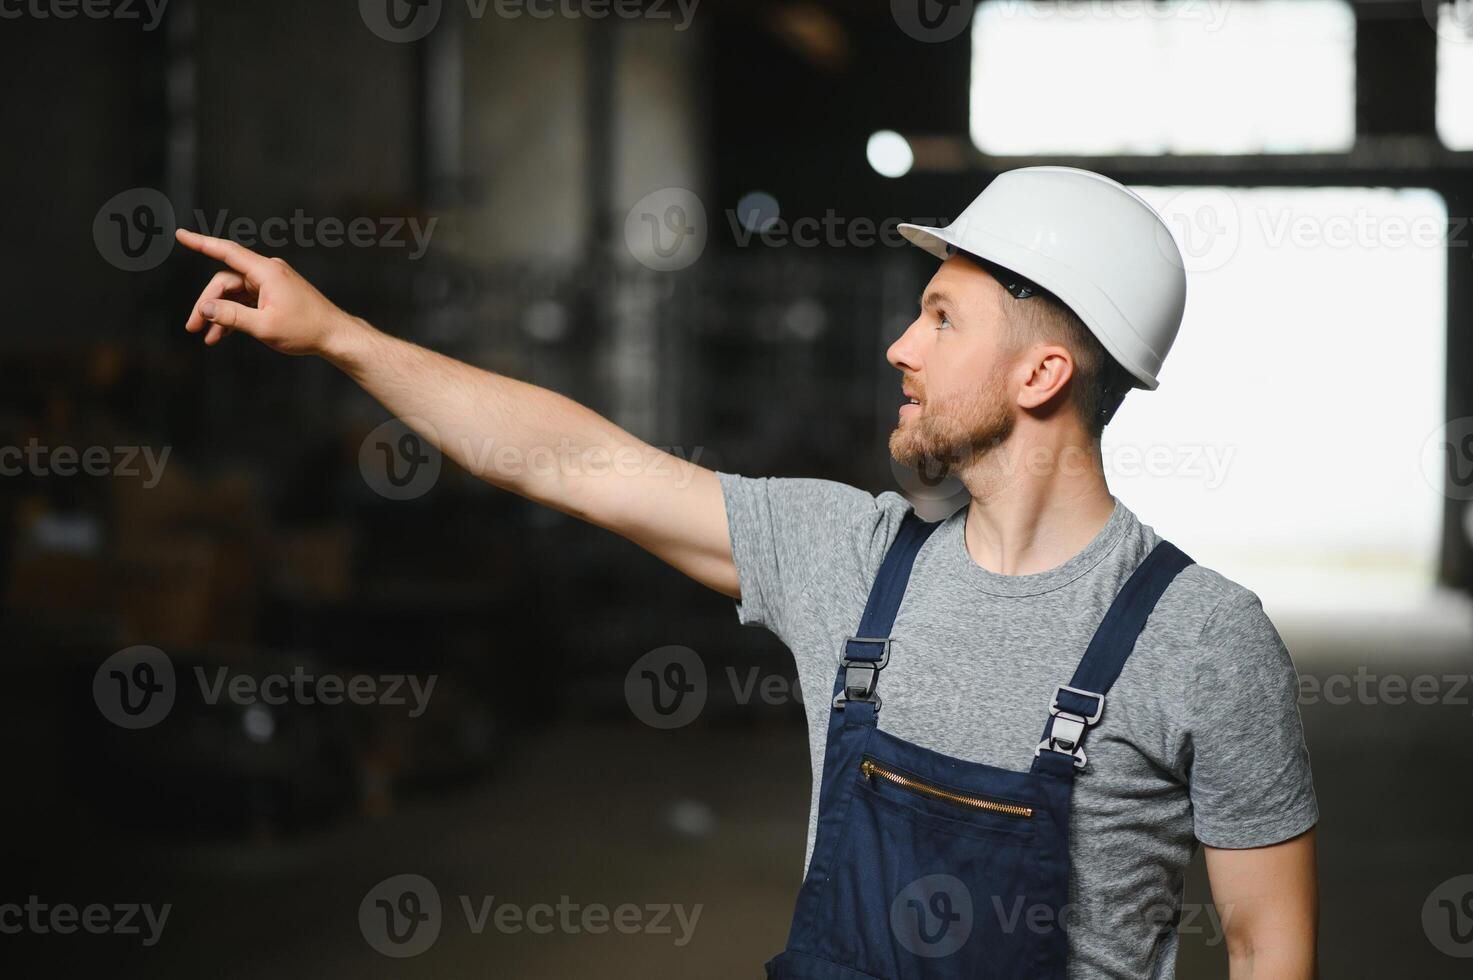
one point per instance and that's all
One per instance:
(1200, 740)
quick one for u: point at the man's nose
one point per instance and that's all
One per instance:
(904, 354)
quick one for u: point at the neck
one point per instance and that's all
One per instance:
(1036, 502)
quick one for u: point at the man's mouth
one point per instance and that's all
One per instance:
(910, 406)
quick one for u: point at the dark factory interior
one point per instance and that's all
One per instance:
(491, 180)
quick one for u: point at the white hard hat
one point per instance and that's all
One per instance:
(1092, 242)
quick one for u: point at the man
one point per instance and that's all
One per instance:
(1058, 291)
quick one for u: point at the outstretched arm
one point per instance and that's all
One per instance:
(517, 436)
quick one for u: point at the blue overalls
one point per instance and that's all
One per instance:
(931, 868)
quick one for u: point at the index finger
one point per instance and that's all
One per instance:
(238, 257)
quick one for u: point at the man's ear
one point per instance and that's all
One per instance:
(1049, 368)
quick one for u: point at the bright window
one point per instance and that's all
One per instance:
(1284, 446)
(1180, 76)
(1455, 74)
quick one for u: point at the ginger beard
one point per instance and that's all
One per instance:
(948, 435)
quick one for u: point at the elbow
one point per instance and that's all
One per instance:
(1277, 957)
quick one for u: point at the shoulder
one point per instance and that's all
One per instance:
(869, 531)
(1207, 597)
(1222, 627)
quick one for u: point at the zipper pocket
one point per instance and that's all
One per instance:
(872, 771)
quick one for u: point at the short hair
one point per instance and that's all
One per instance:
(1099, 383)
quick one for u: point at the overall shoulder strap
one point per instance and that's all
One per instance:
(866, 653)
(1079, 704)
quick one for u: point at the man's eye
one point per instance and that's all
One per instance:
(943, 321)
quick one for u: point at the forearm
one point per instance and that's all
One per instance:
(515, 435)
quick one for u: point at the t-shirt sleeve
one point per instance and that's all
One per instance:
(784, 533)
(1249, 769)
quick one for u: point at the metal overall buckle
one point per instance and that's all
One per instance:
(861, 677)
(1066, 733)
